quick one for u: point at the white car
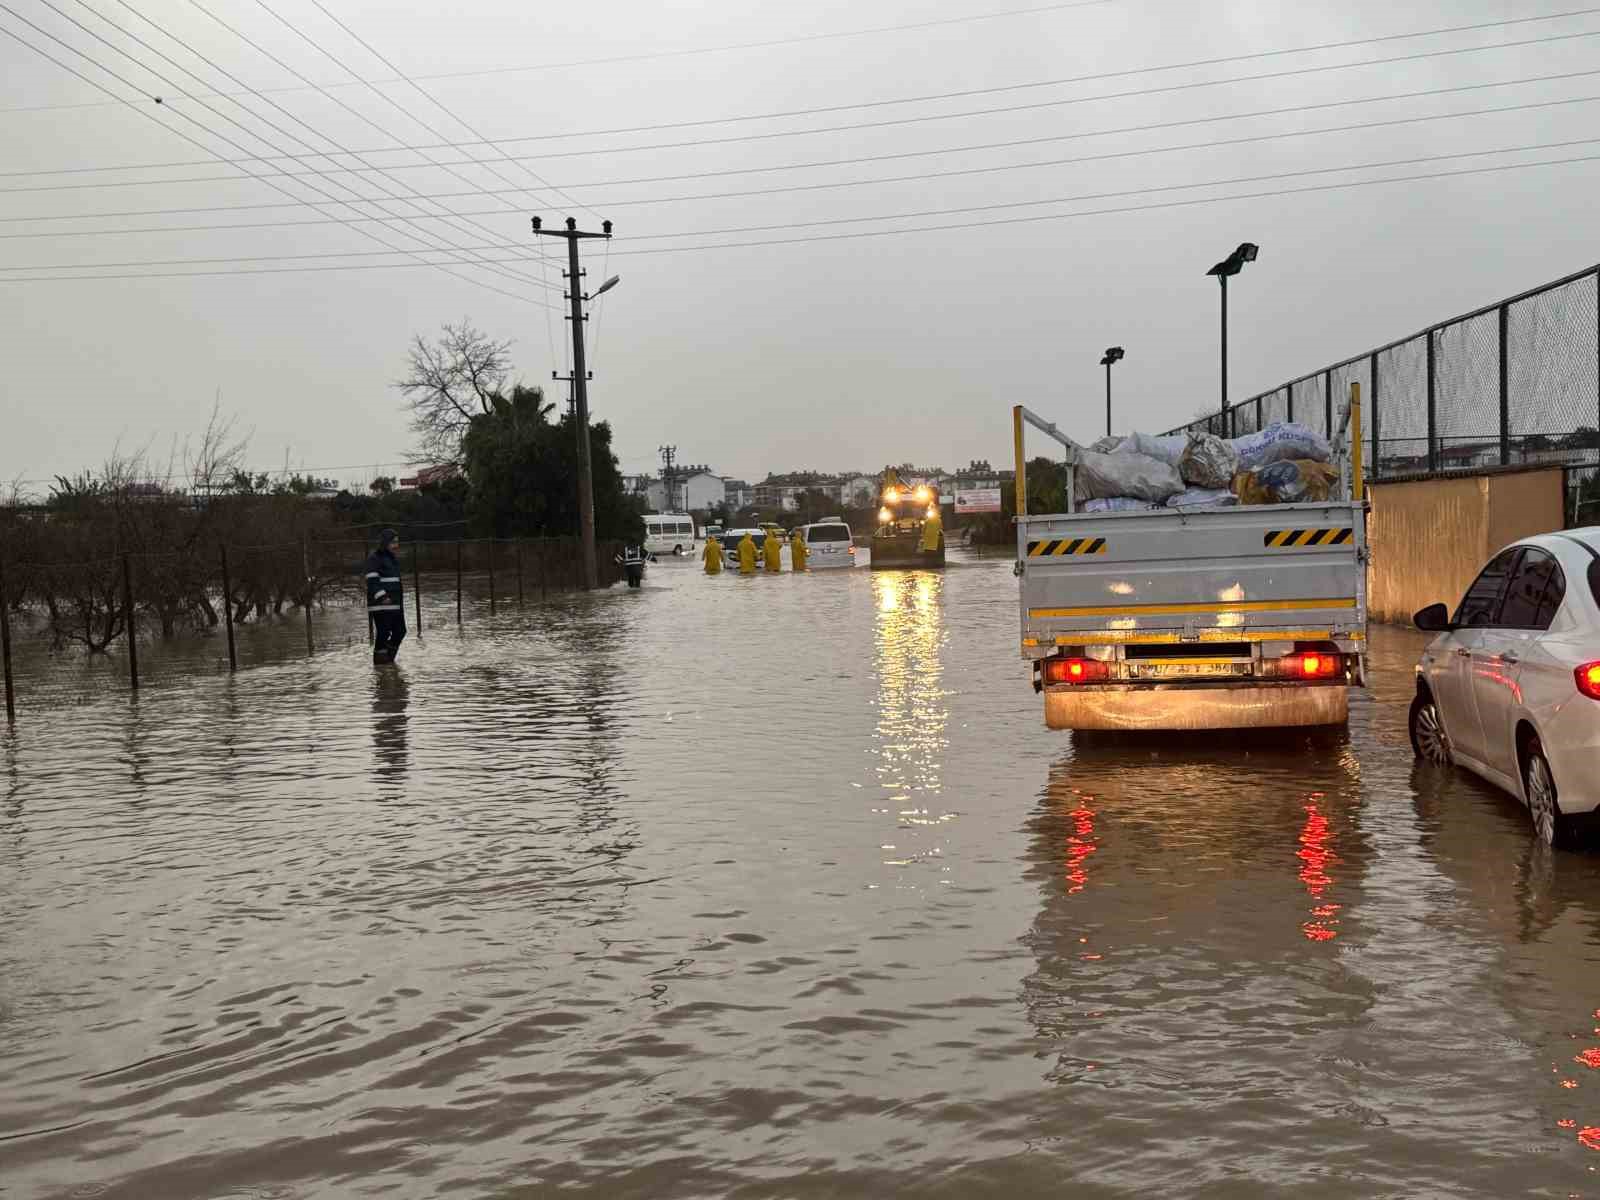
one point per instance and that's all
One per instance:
(830, 544)
(1510, 689)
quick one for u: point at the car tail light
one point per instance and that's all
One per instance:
(1588, 677)
(1075, 670)
(1318, 665)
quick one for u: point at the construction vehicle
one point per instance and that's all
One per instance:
(901, 539)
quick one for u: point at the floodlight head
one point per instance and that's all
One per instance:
(572, 222)
(537, 221)
(606, 227)
(1234, 263)
(607, 286)
(1114, 354)
(1247, 251)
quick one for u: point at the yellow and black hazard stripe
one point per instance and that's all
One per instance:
(1284, 539)
(1055, 547)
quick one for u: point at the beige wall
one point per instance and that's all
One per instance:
(1429, 539)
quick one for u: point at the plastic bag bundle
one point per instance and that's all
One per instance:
(1117, 504)
(1203, 498)
(1106, 444)
(1280, 441)
(1164, 449)
(1289, 482)
(1102, 476)
(1208, 462)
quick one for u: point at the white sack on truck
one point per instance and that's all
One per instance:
(1208, 462)
(1203, 498)
(1168, 449)
(1106, 444)
(1102, 476)
(1119, 504)
(1278, 442)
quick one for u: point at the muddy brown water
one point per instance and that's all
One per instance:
(758, 888)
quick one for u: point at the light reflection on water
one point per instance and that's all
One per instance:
(769, 887)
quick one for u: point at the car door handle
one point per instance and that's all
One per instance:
(1463, 653)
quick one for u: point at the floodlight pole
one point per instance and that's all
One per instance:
(580, 390)
(1227, 425)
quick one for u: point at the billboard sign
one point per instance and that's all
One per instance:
(978, 500)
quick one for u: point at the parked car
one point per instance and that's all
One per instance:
(829, 543)
(1510, 687)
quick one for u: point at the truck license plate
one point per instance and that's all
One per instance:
(1167, 671)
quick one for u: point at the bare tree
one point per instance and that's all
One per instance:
(450, 381)
(217, 457)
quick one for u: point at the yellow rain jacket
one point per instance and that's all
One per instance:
(932, 531)
(797, 551)
(772, 551)
(713, 556)
(747, 555)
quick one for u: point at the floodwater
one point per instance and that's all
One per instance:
(770, 887)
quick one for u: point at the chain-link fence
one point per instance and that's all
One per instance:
(1516, 383)
(65, 625)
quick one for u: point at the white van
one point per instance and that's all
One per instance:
(830, 544)
(669, 533)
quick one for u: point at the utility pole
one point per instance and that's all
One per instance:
(580, 388)
(1113, 354)
(669, 476)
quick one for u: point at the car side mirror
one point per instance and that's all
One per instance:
(1433, 619)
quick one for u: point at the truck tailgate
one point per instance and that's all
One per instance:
(1249, 573)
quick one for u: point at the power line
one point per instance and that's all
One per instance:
(1350, 184)
(658, 54)
(428, 96)
(962, 94)
(200, 125)
(855, 183)
(450, 218)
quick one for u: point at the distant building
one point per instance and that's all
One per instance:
(428, 476)
(737, 494)
(858, 491)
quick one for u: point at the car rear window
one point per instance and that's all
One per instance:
(828, 533)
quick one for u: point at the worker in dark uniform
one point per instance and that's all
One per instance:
(385, 604)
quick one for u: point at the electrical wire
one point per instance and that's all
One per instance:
(1349, 184)
(855, 183)
(661, 54)
(192, 120)
(962, 94)
(449, 218)
(428, 96)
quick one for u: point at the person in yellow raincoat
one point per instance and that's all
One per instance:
(932, 531)
(772, 551)
(797, 551)
(747, 555)
(713, 556)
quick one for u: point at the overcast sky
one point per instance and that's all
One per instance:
(831, 352)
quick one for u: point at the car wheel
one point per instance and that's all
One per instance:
(1539, 786)
(1428, 739)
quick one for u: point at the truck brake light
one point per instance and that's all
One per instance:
(1319, 666)
(1075, 670)
(1588, 677)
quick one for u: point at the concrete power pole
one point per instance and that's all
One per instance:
(580, 388)
(669, 476)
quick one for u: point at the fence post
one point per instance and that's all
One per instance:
(1376, 468)
(5, 651)
(127, 618)
(491, 576)
(1433, 415)
(458, 581)
(517, 545)
(1505, 392)
(227, 608)
(416, 587)
(544, 568)
(1327, 401)
(305, 562)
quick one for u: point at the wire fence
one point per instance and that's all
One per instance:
(1514, 383)
(224, 598)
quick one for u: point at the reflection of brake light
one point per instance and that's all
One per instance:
(1319, 666)
(1075, 670)
(1588, 677)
